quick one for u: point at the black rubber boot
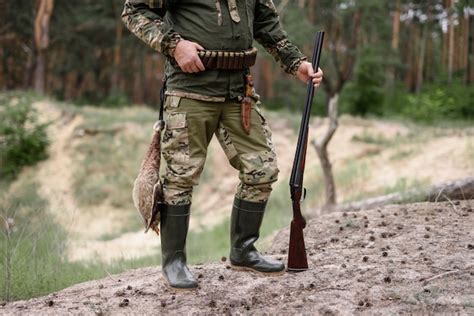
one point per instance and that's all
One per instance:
(245, 224)
(174, 229)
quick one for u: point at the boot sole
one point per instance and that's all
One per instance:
(249, 269)
(179, 289)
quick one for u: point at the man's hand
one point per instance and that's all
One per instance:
(305, 72)
(187, 58)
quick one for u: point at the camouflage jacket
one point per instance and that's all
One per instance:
(215, 25)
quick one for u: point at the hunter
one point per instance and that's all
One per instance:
(209, 91)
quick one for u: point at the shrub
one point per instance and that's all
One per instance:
(23, 140)
(440, 103)
(365, 93)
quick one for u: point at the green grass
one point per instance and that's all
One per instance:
(133, 222)
(370, 138)
(415, 135)
(401, 154)
(279, 210)
(33, 261)
(109, 161)
(103, 118)
(404, 184)
(351, 178)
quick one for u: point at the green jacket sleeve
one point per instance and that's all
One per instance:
(270, 34)
(144, 18)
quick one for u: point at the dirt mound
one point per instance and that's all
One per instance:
(398, 259)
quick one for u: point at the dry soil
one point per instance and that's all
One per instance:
(408, 259)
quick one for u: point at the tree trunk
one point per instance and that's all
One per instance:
(115, 78)
(138, 89)
(301, 4)
(312, 11)
(330, 186)
(396, 27)
(465, 50)
(430, 57)
(70, 85)
(41, 34)
(451, 41)
(322, 151)
(421, 59)
(462, 189)
(2, 75)
(392, 72)
(412, 58)
(470, 57)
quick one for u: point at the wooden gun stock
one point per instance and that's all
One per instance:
(297, 260)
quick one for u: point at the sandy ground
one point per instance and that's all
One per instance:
(409, 259)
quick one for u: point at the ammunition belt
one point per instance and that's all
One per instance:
(228, 60)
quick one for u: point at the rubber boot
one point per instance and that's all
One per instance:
(174, 229)
(245, 224)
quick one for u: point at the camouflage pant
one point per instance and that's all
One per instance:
(190, 125)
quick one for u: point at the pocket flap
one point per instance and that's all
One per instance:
(176, 120)
(153, 4)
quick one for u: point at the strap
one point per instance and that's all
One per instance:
(162, 98)
(160, 124)
(234, 12)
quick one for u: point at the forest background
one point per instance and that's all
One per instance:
(378, 55)
(405, 61)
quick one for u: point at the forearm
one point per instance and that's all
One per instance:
(148, 25)
(287, 54)
(270, 34)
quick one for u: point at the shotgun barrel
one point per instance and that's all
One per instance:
(297, 260)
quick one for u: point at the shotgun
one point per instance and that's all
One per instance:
(297, 260)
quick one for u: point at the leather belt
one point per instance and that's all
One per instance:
(228, 60)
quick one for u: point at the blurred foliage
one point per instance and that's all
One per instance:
(365, 93)
(93, 59)
(436, 102)
(23, 140)
(440, 103)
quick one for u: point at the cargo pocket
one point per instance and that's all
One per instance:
(175, 140)
(266, 129)
(226, 143)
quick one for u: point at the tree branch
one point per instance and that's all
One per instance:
(461, 189)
